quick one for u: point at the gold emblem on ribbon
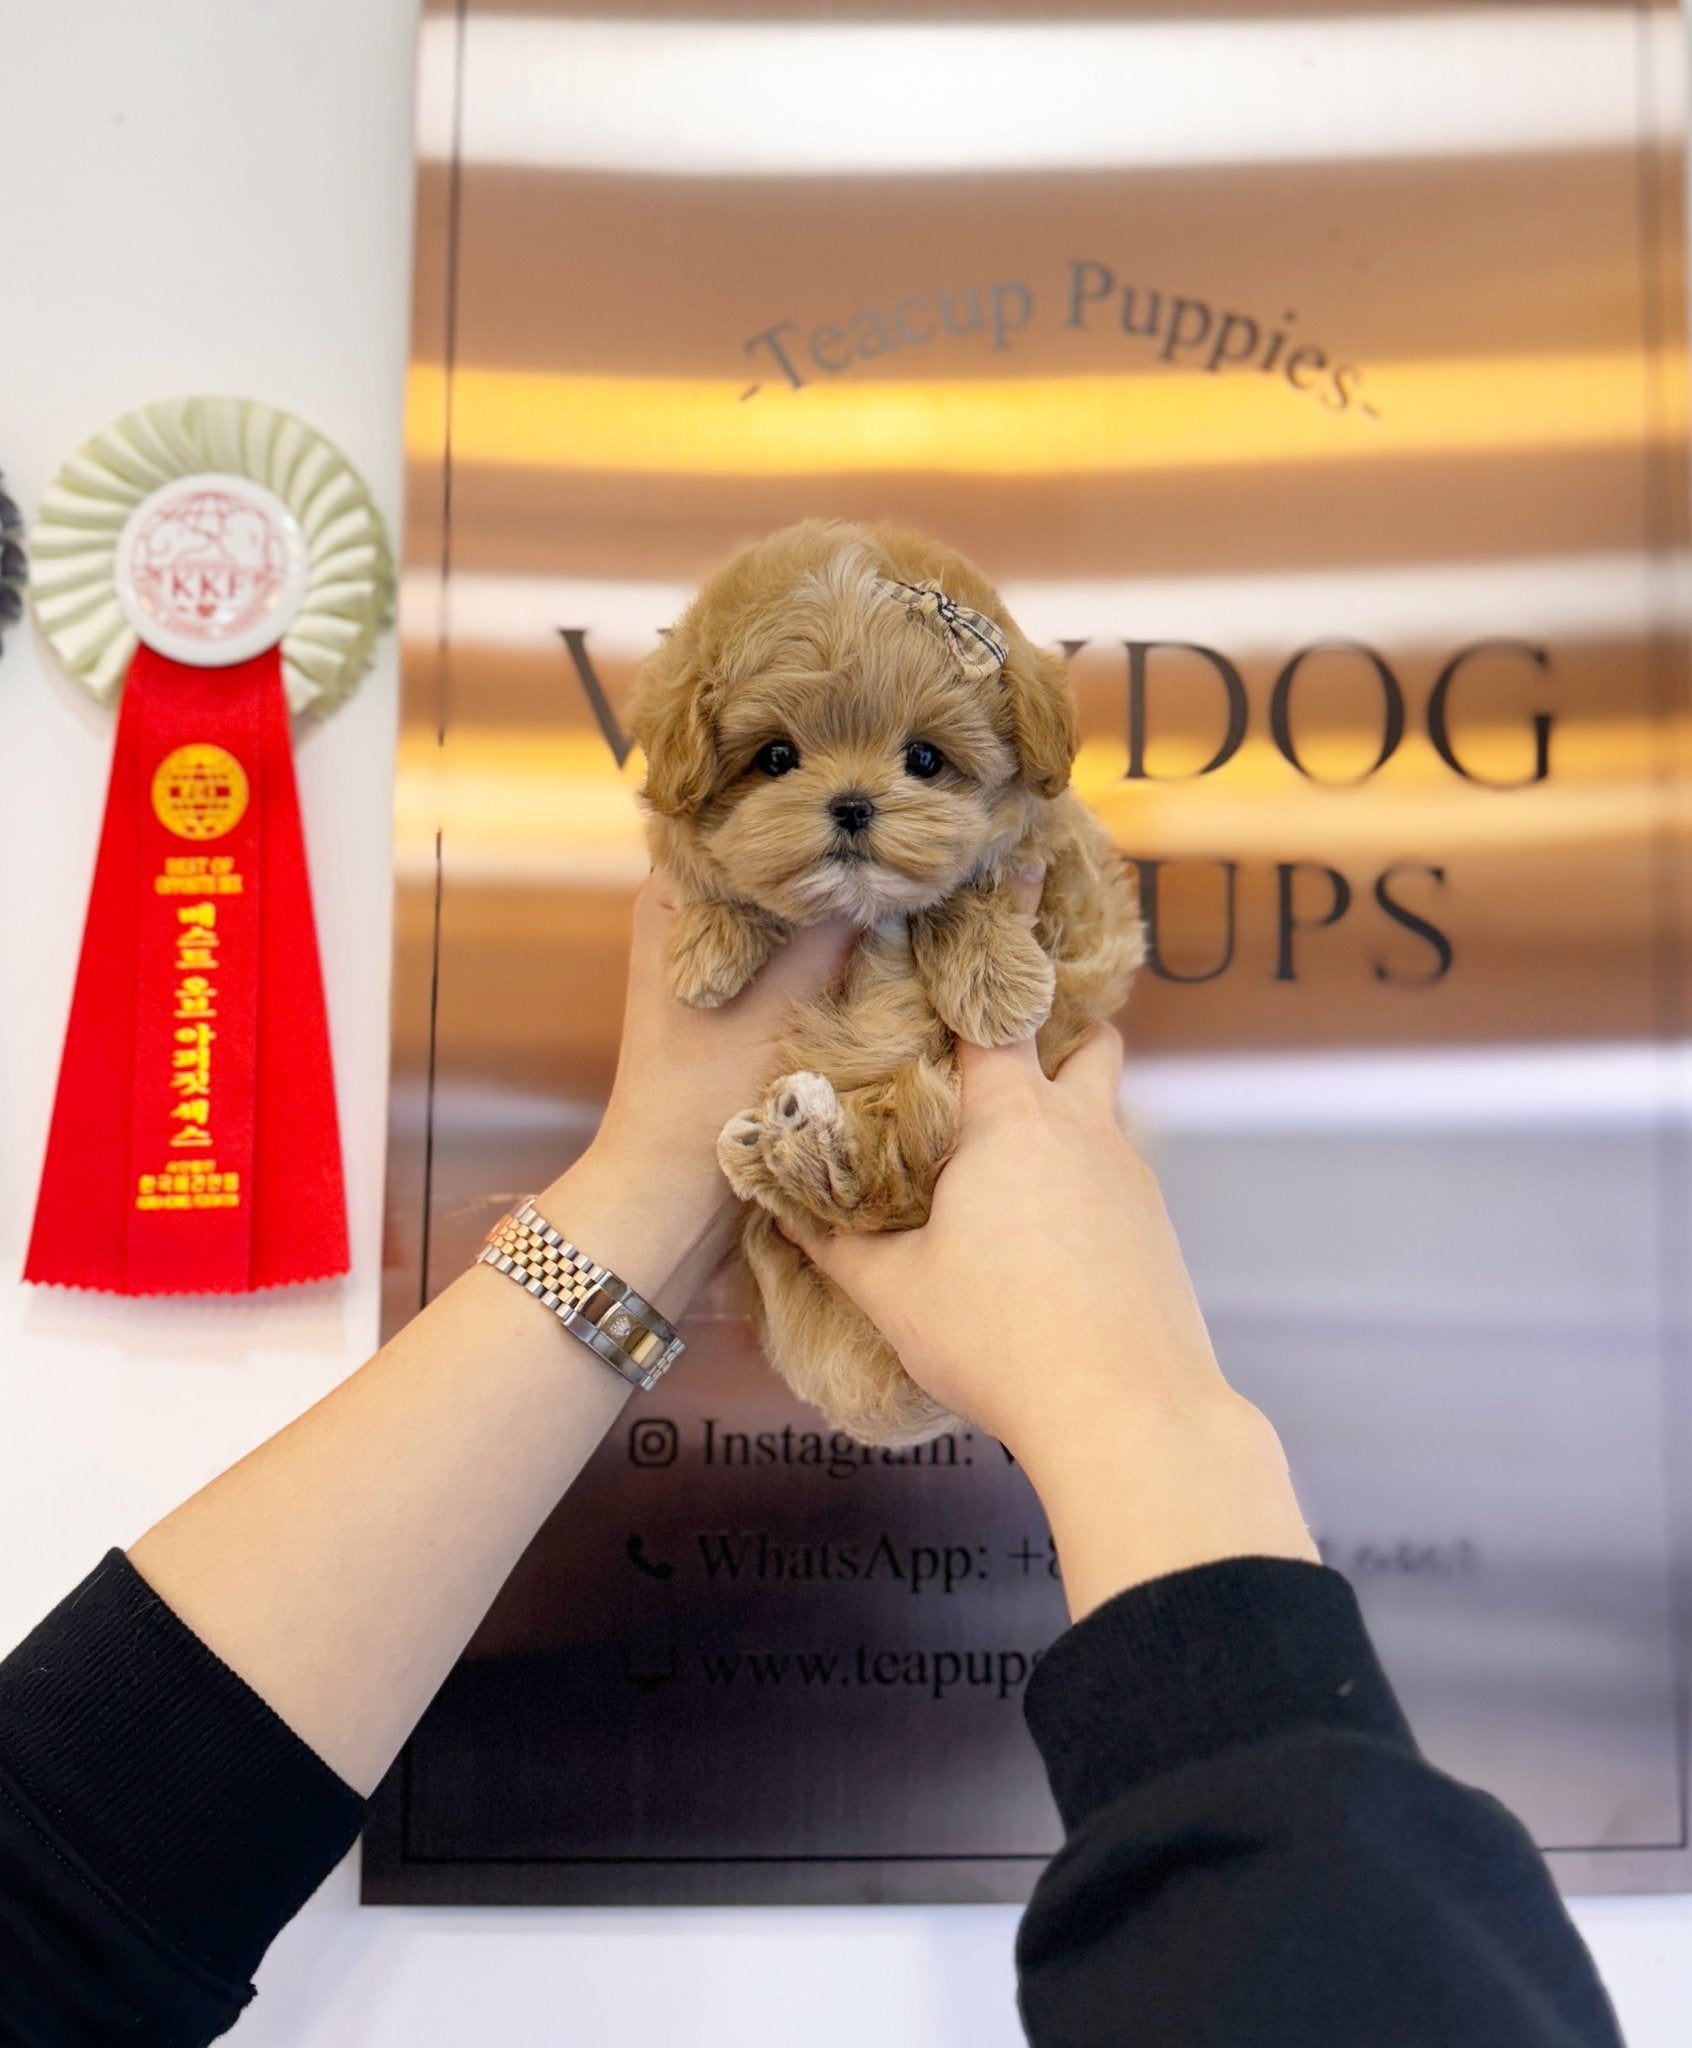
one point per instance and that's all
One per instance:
(199, 792)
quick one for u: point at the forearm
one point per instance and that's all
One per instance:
(341, 1567)
(1257, 1853)
(1141, 1488)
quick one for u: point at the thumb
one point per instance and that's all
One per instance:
(1093, 1072)
(1028, 885)
(802, 968)
(838, 1258)
(987, 1072)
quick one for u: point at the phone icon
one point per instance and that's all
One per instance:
(654, 1568)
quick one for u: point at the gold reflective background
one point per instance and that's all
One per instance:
(1410, 1062)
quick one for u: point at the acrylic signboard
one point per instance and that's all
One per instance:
(1315, 381)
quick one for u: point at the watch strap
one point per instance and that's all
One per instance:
(592, 1303)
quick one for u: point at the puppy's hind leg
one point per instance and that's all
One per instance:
(828, 1351)
(793, 1154)
(862, 1161)
(906, 1129)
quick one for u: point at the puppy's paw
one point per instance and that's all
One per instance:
(803, 1102)
(794, 1151)
(716, 948)
(808, 1145)
(740, 1154)
(998, 995)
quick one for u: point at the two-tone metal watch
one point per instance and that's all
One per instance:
(590, 1301)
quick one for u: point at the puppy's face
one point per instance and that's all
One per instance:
(858, 771)
(827, 749)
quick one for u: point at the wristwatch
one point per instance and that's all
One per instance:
(589, 1300)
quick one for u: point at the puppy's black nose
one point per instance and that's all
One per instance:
(851, 812)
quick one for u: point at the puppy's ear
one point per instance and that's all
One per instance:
(1042, 715)
(670, 715)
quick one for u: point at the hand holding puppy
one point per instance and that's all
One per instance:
(1046, 1300)
(682, 1072)
(846, 722)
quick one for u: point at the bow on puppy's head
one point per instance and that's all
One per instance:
(847, 720)
(977, 645)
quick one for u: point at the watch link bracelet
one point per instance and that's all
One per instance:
(591, 1302)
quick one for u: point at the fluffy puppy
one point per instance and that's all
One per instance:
(847, 721)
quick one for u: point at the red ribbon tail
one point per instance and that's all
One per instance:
(194, 1146)
(300, 1208)
(81, 1214)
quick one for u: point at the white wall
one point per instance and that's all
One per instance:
(215, 195)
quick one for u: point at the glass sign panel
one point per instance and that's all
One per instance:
(1315, 380)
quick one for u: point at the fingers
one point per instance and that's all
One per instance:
(989, 1071)
(659, 888)
(1093, 1071)
(1026, 886)
(811, 1242)
(652, 899)
(800, 969)
(654, 913)
(809, 961)
(840, 1258)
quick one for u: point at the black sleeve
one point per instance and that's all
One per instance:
(1256, 1853)
(158, 1825)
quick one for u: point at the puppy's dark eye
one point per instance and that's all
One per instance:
(776, 757)
(923, 761)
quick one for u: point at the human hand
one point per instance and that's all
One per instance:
(1047, 1300)
(650, 1180)
(1047, 1283)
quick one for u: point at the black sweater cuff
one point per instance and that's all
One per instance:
(166, 1773)
(1199, 1662)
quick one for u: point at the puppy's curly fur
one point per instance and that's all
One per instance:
(792, 722)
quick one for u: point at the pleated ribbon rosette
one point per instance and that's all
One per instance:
(210, 564)
(14, 564)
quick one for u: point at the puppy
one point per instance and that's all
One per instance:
(846, 721)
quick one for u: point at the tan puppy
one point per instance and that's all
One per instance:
(846, 720)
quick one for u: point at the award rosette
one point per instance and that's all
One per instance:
(14, 567)
(210, 564)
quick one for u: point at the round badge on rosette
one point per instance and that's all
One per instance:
(202, 526)
(211, 565)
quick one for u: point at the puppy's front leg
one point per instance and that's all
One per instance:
(982, 966)
(716, 947)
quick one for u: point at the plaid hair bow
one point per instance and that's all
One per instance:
(977, 643)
